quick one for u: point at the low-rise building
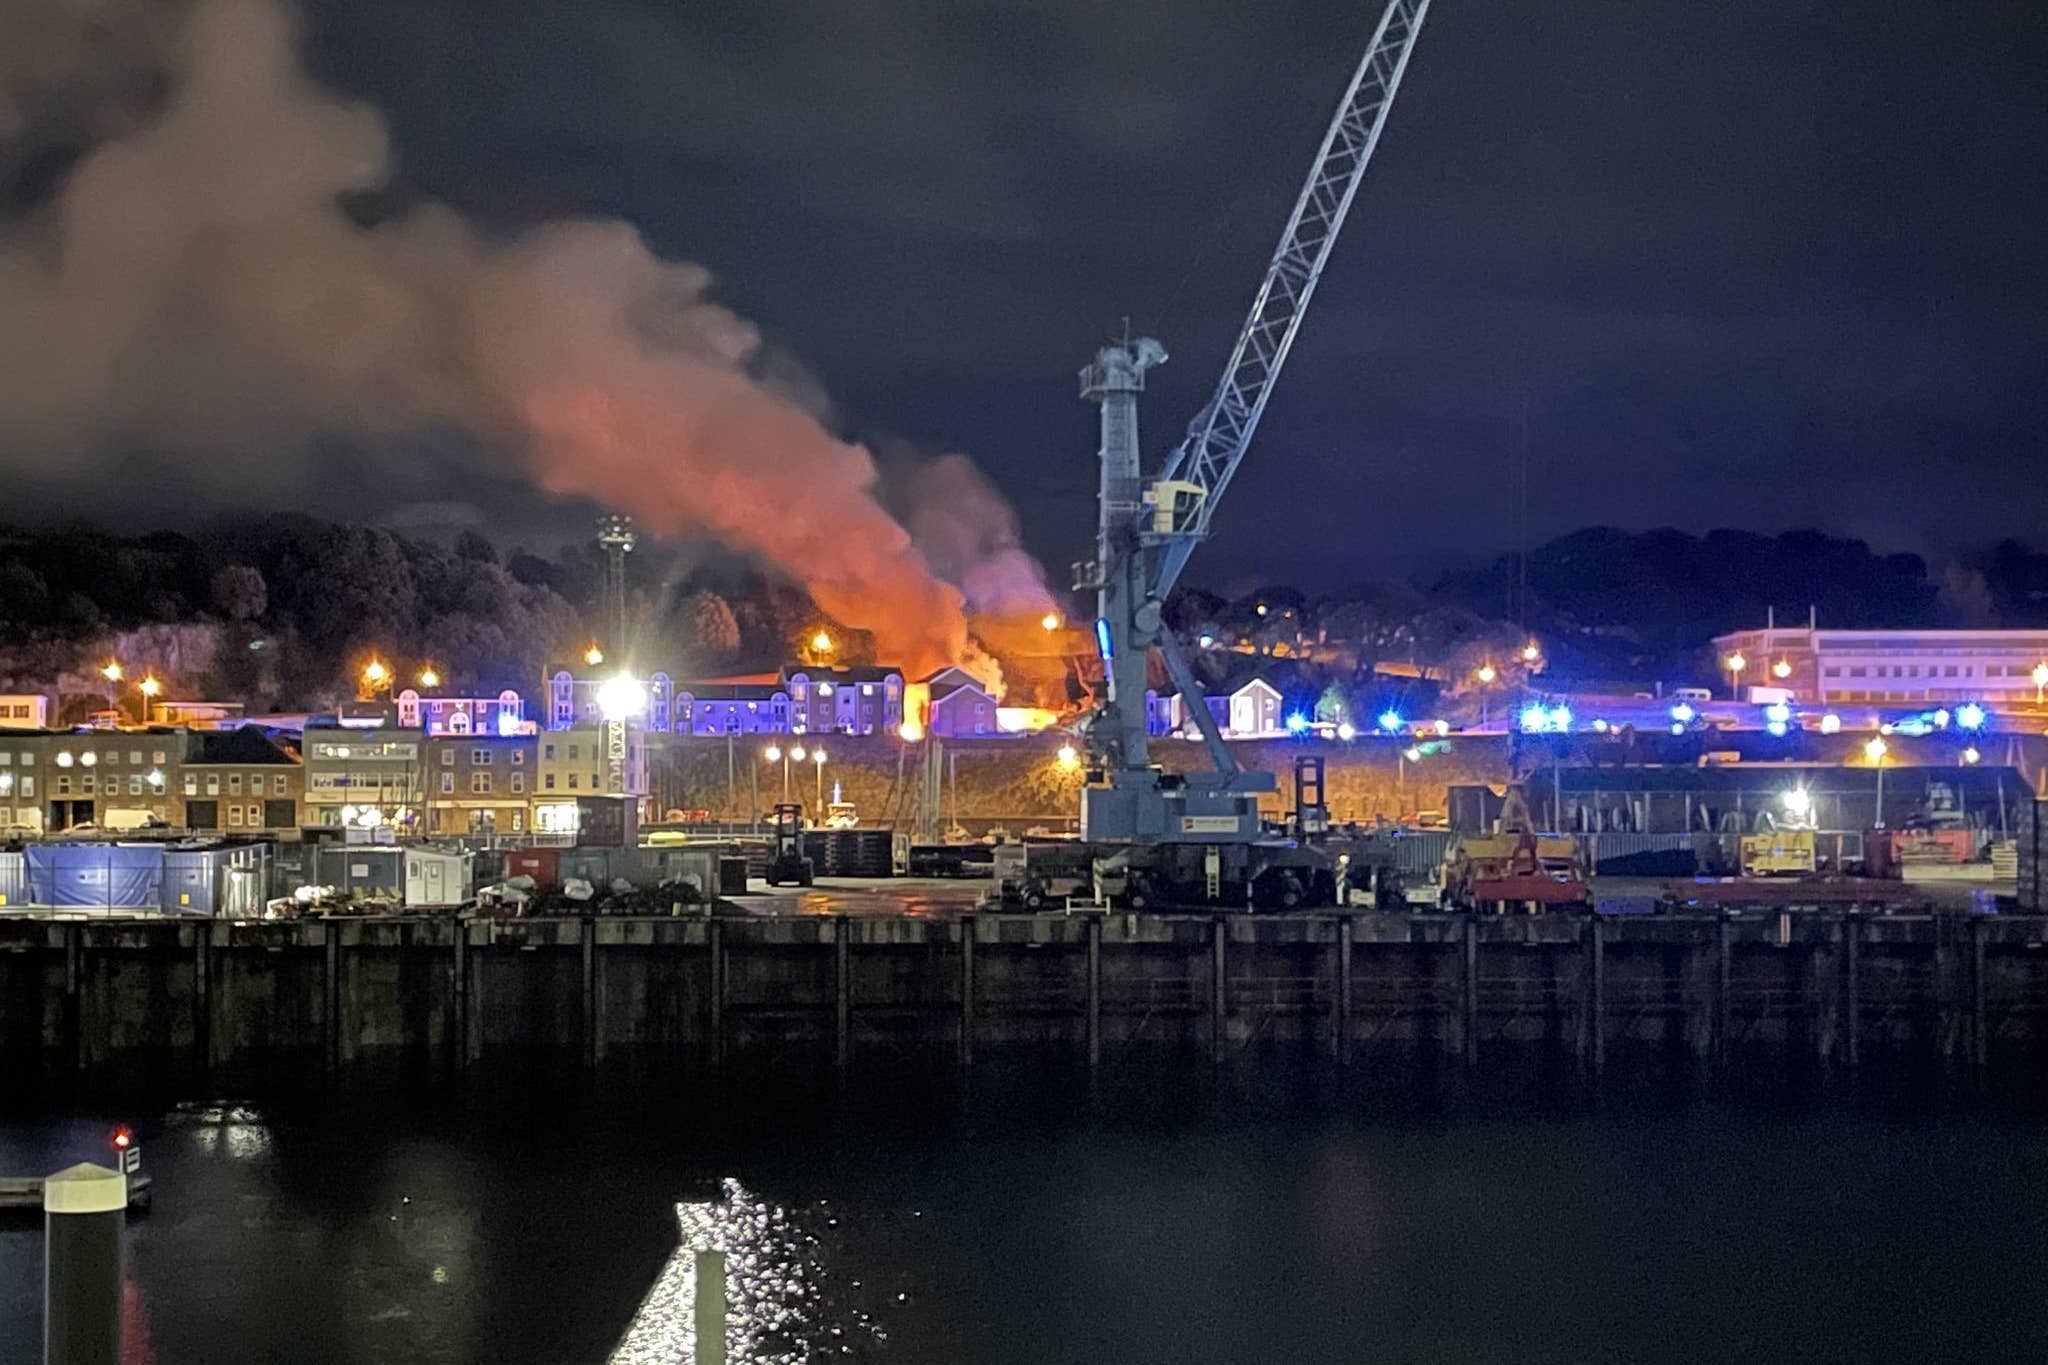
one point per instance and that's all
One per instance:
(959, 706)
(579, 762)
(1889, 667)
(757, 704)
(503, 713)
(362, 773)
(480, 783)
(845, 701)
(59, 779)
(239, 781)
(24, 711)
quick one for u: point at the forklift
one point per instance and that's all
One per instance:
(786, 860)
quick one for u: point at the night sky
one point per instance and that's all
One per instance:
(1752, 262)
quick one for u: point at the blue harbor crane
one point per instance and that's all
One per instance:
(1147, 530)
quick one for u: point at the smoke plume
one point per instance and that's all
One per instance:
(193, 284)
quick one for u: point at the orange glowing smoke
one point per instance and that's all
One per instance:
(763, 476)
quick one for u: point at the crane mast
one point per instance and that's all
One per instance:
(1145, 533)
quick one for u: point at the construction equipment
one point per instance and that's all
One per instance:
(1778, 853)
(1516, 865)
(787, 863)
(1203, 829)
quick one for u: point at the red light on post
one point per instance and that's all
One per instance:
(124, 1138)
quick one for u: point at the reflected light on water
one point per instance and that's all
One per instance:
(776, 1311)
(237, 1132)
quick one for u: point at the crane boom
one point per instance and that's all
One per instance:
(1145, 534)
(1209, 455)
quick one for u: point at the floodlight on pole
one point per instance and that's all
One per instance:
(621, 696)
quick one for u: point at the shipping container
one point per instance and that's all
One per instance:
(372, 872)
(13, 880)
(436, 879)
(109, 878)
(544, 865)
(196, 880)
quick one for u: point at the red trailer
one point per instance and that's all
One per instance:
(544, 865)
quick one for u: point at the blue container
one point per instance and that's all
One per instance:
(195, 879)
(105, 877)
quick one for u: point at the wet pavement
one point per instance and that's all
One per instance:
(922, 896)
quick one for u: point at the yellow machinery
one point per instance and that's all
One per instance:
(1780, 853)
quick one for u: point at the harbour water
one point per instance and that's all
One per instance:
(1045, 1219)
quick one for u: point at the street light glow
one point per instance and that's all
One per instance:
(1970, 755)
(1797, 802)
(429, 678)
(114, 673)
(1971, 716)
(1346, 731)
(818, 757)
(1390, 721)
(1487, 673)
(797, 753)
(772, 754)
(621, 696)
(375, 673)
(822, 642)
(1830, 724)
(1875, 749)
(1068, 758)
(1782, 669)
(150, 686)
(1736, 663)
(593, 656)
(1051, 621)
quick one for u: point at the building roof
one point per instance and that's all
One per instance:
(835, 676)
(243, 744)
(732, 691)
(730, 680)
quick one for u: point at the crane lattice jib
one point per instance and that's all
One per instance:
(1217, 439)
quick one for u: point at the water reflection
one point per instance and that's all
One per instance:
(778, 1312)
(238, 1132)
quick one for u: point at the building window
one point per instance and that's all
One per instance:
(519, 758)
(86, 784)
(575, 752)
(191, 784)
(447, 784)
(157, 758)
(234, 815)
(480, 784)
(277, 784)
(213, 784)
(135, 758)
(548, 751)
(518, 783)
(234, 784)
(135, 784)
(480, 758)
(547, 781)
(28, 786)
(447, 758)
(63, 784)
(572, 781)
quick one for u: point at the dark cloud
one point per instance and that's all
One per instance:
(1762, 262)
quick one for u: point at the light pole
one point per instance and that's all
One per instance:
(1875, 750)
(619, 698)
(113, 673)
(149, 687)
(1486, 673)
(818, 759)
(775, 753)
(2040, 680)
(1735, 663)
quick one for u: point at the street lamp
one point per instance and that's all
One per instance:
(822, 642)
(776, 754)
(619, 698)
(113, 672)
(1782, 669)
(593, 655)
(2040, 680)
(429, 678)
(818, 759)
(1875, 749)
(1735, 664)
(1532, 654)
(1051, 621)
(149, 688)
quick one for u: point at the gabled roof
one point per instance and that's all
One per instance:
(244, 744)
(867, 673)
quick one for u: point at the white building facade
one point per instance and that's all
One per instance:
(1889, 667)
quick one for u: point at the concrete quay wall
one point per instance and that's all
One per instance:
(440, 998)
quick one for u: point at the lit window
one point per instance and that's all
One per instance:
(135, 758)
(191, 784)
(234, 815)
(213, 784)
(519, 758)
(157, 758)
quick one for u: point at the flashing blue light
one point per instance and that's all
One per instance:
(1778, 714)
(1677, 727)
(1941, 719)
(1682, 714)
(1560, 718)
(1296, 723)
(1390, 721)
(1776, 729)
(1971, 716)
(1599, 727)
(1103, 644)
(1535, 719)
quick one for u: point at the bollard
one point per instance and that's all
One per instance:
(84, 1208)
(710, 1308)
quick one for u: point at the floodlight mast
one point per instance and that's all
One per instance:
(1146, 533)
